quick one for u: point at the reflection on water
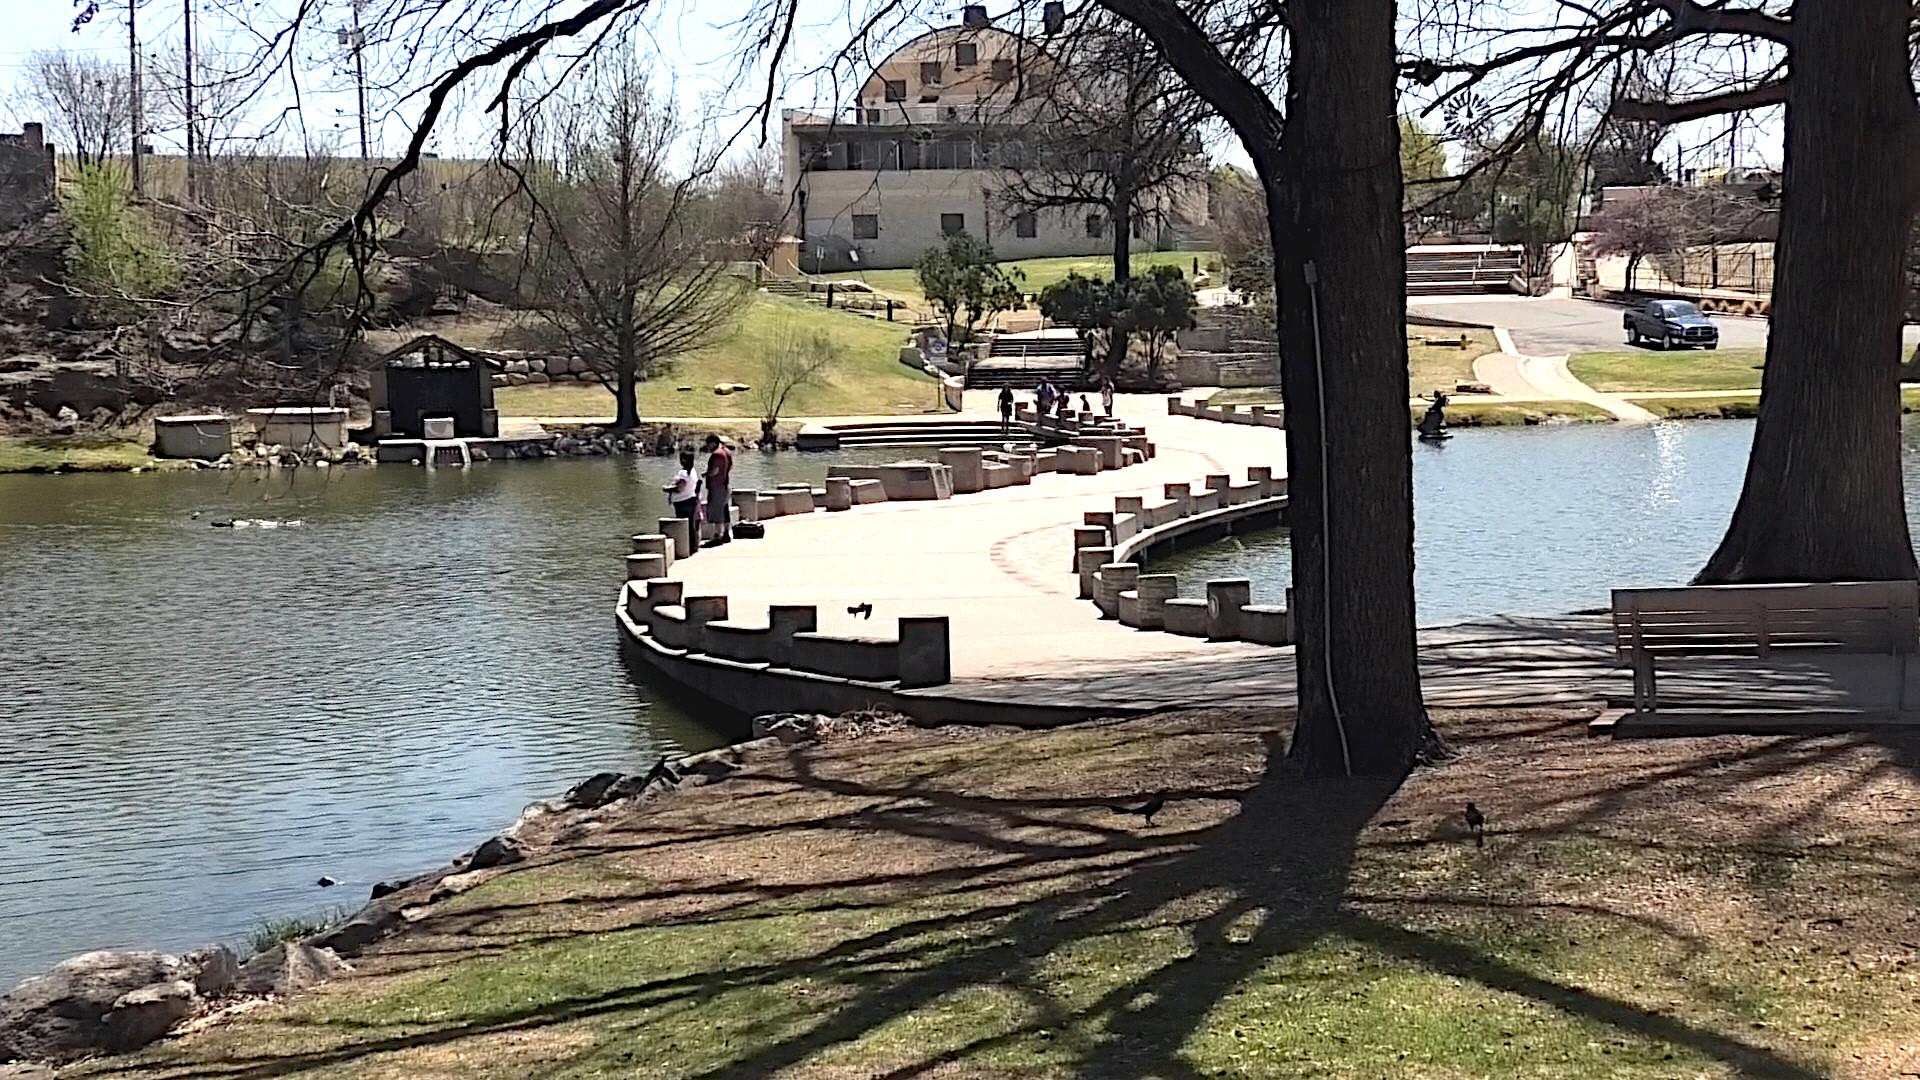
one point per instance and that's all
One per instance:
(383, 668)
(1545, 520)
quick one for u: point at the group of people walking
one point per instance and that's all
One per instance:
(1051, 400)
(705, 497)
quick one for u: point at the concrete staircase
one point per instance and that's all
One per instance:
(926, 433)
(1022, 362)
(1441, 272)
(785, 287)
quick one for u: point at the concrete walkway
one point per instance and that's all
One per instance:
(1546, 377)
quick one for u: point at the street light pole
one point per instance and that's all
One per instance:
(133, 82)
(360, 74)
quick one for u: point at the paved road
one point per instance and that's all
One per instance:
(1542, 327)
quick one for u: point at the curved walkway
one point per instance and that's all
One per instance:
(1511, 375)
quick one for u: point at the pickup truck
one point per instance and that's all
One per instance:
(1672, 323)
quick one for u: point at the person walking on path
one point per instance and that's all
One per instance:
(1043, 397)
(684, 492)
(719, 490)
(1006, 410)
(1106, 396)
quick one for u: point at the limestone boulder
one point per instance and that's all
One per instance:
(591, 792)
(138, 1017)
(497, 851)
(63, 1013)
(287, 968)
(213, 970)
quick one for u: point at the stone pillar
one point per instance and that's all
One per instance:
(1219, 481)
(746, 506)
(1263, 476)
(680, 531)
(702, 610)
(643, 567)
(1224, 601)
(839, 493)
(655, 544)
(1088, 561)
(1173, 405)
(1115, 578)
(925, 652)
(1088, 536)
(1154, 591)
(664, 591)
(786, 621)
(1129, 504)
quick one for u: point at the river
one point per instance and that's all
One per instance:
(375, 669)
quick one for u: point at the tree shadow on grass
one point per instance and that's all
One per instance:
(1271, 880)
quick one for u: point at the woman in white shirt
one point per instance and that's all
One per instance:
(684, 492)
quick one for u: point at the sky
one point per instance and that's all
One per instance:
(691, 42)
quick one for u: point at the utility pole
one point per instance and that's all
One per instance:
(187, 74)
(360, 74)
(133, 81)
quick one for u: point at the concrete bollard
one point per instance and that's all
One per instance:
(663, 591)
(1224, 600)
(792, 499)
(926, 657)
(839, 493)
(1263, 476)
(1088, 562)
(702, 610)
(643, 567)
(1115, 578)
(1219, 481)
(1154, 591)
(1088, 536)
(680, 530)
(787, 620)
(654, 544)
(1266, 624)
(1186, 616)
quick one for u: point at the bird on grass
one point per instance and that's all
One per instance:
(1477, 824)
(865, 610)
(1146, 809)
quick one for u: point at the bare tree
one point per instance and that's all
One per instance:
(748, 196)
(796, 361)
(621, 245)
(86, 103)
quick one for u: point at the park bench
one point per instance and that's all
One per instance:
(1720, 621)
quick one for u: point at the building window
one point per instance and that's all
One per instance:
(1026, 226)
(1003, 71)
(873, 116)
(953, 223)
(930, 73)
(954, 152)
(966, 54)
(1096, 226)
(866, 226)
(896, 89)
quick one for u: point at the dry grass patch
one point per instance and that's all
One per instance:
(963, 903)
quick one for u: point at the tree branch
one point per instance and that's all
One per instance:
(1771, 92)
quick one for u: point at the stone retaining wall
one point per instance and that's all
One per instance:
(1259, 415)
(1113, 547)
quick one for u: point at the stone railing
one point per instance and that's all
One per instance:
(1258, 415)
(1111, 549)
(698, 629)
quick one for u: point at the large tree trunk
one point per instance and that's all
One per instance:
(626, 415)
(1823, 500)
(1340, 275)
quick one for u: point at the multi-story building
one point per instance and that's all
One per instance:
(914, 158)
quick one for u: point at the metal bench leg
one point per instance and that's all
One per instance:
(1643, 701)
(1900, 688)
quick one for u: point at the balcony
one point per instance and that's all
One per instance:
(915, 114)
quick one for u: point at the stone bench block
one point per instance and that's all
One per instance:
(1153, 591)
(868, 659)
(784, 621)
(1129, 609)
(1206, 501)
(746, 505)
(790, 500)
(642, 567)
(996, 475)
(839, 493)
(868, 491)
(925, 653)
(668, 624)
(1087, 564)
(904, 479)
(767, 507)
(1225, 598)
(964, 463)
(654, 544)
(1267, 624)
(1078, 460)
(680, 531)
(1133, 457)
(1185, 616)
(1089, 536)
(1112, 580)
(701, 610)
(737, 641)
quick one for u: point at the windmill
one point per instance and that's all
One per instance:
(1468, 116)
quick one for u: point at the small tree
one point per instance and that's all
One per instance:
(794, 362)
(965, 283)
(116, 259)
(1654, 223)
(1535, 201)
(1157, 304)
(1084, 303)
(1160, 305)
(87, 102)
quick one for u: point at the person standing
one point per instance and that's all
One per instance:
(1006, 410)
(1106, 396)
(719, 491)
(684, 492)
(1043, 397)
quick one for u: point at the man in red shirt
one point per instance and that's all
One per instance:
(719, 491)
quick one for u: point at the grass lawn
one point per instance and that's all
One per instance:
(1430, 364)
(1497, 413)
(868, 379)
(100, 452)
(1683, 369)
(1040, 273)
(1734, 406)
(962, 903)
